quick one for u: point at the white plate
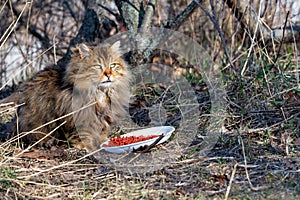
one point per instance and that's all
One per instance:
(167, 130)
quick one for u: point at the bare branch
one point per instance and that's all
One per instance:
(130, 12)
(216, 25)
(89, 29)
(44, 39)
(184, 15)
(249, 18)
(71, 10)
(149, 11)
(280, 45)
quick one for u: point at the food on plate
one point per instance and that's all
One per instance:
(124, 140)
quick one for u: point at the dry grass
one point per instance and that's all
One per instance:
(257, 155)
(53, 174)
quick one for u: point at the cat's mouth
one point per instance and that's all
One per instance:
(105, 83)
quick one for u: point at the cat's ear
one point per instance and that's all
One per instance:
(116, 47)
(82, 50)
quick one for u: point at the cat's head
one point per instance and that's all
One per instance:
(98, 67)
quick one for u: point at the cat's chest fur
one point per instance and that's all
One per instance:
(103, 103)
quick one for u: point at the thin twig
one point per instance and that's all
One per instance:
(47, 135)
(14, 24)
(246, 167)
(247, 16)
(146, 148)
(108, 10)
(230, 181)
(57, 119)
(60, 166)
(253, 42)
(281, 41)
(1, 9)
(183, 15)
(71, 10)
(297, 57)
(216, 25)
(23, 68)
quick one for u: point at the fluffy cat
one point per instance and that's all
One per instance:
(80, 100)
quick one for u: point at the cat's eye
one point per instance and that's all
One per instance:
(98, 66)
(114, 65)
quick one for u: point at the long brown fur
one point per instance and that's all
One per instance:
(94, 88)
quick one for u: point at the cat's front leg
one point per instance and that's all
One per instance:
(92, 141)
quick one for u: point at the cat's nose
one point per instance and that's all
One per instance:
(107, 72)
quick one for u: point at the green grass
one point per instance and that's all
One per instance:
(6, 175)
